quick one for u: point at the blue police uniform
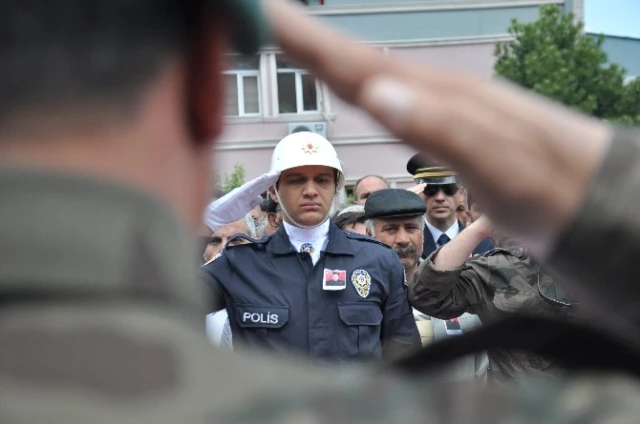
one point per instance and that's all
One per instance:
(275, 298)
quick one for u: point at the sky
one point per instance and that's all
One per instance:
(613, 17)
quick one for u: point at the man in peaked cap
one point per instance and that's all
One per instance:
(439, 194)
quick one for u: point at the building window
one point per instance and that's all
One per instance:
(243, 88)
(297, 90)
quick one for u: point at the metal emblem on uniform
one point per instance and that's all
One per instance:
(310, 148)
(307, 248)
(361, 280)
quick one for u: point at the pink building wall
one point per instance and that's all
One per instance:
(363, 146)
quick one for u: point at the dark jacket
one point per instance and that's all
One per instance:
(275, 298)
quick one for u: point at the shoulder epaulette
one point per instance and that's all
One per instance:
(212, 259)
(357, 236)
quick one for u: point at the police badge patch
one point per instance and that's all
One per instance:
(361, 280)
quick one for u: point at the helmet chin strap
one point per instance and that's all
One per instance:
(293, 221)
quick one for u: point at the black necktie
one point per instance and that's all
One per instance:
(443, 239)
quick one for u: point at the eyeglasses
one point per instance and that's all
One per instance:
(447, 189)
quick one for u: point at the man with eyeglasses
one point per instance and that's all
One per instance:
(441, 185)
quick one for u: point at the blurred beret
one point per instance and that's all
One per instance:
(393, 203)
(429, 171)
(351, 209)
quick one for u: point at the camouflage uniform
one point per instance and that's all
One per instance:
(101, 321)
(501, 281)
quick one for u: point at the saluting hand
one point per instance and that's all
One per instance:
(419, 190)
(528, 160)
(238, 202)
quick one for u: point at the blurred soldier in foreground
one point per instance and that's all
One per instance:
(106, 157)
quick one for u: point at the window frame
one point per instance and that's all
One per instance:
(240, 74)
(298, 73)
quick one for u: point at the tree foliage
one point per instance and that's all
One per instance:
(554, 57)
(233, 180)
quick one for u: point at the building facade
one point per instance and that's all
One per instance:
(267, 98)
(624, 51)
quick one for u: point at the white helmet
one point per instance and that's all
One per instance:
(304, 149)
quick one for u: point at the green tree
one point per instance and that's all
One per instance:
(233, 180)
(554, 57)
(631, 103)
(350, 200)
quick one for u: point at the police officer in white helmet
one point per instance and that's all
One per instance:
(282, 293)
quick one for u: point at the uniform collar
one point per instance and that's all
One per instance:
(436, 233)
(338, 241)
(307, 235)
(66, 235)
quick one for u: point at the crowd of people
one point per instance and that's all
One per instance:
(452, 280)
(110, 113)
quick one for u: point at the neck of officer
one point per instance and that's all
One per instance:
(307, 235)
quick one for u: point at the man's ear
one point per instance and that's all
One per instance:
(271, 219)
(204, 79)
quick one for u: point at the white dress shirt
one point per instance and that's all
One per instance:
(318, 237)
(436, 233)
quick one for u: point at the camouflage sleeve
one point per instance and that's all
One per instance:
(146, 363)
(355, 398)
(597, 254)
(448, 294)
